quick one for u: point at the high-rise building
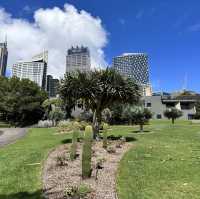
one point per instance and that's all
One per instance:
(3, 58)
(52, 86)
(78, 59)
(34, 70)
(134, 66)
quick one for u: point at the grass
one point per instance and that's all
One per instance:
(21, 163)
(162, 164)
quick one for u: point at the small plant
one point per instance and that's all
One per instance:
(77, 192)
(61, 160)
(83, 190)
(73, 149)
(111, 149)
(71, 192)
(87, 153)
(105, 139)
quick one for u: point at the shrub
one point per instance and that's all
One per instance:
(87, 153)
(45, 124)
(105, 139)
(75, 192)
(69, 126)
(73, 150)
(86, 116)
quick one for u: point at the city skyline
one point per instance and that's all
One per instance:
(171, 41)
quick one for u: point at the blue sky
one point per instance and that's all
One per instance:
(169, 31)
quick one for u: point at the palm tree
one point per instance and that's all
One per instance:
(98, 90)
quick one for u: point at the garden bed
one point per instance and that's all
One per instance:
(57, 178)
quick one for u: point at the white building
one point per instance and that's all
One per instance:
(34, 70)
(78, 59)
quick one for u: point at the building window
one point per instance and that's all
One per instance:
(148, 104)
(159, 116)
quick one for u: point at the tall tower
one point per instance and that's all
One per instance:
(78, 59)
(134, 66)
(3, 58)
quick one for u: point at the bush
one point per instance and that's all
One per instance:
(105, 139)
(87, 153)
(45, 124)
(73, 149)
(69, 126)
(86, 116)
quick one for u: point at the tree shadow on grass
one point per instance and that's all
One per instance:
(138, 131)
(67, 141)
(128, 138)
(23, 195)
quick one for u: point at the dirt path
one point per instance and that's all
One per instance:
(10, 135)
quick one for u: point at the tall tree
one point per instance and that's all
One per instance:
(173, 114)
(98, 90)
(20, 101)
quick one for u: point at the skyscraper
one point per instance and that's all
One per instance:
(52, 86)
(35, 69)
(78, 59)
(3, 58)
(134, 66)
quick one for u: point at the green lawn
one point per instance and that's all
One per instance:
(163, 164)
(21, 163)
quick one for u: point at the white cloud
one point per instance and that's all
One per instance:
(140, 14)
(54, 30)
(122, 21)
(194, 28)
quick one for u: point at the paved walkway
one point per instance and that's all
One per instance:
(10, 135)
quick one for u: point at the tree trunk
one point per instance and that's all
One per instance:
(173, 120)
(141, 128)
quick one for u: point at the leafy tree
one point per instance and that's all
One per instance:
(20, 101)
(137, 115)
(173, 114)
(98, 90)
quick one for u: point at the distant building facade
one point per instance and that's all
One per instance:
(134, 66)
(158, 103)
(52, 86)
(34, 70)
(3, 58)
(78, 59)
